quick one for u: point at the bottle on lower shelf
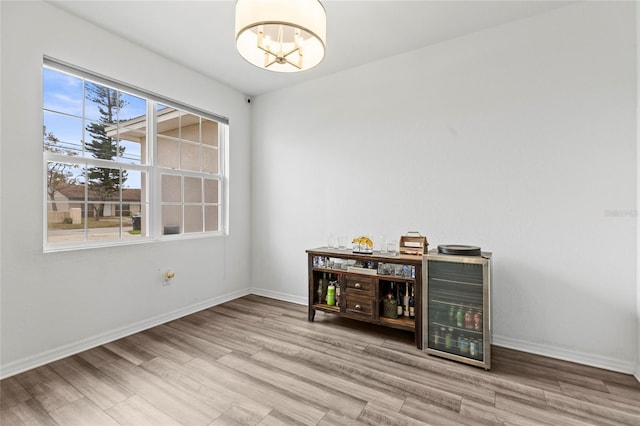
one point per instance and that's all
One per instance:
(390, 304)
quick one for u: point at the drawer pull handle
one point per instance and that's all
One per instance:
(357, 285)
(358, 307)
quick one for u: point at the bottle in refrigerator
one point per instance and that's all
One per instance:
(448, 339)
(459, 317)
(477, 321)
(468, 319)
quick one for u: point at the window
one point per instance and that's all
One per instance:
(125, 166)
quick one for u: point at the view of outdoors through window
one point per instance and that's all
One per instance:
(102, 148)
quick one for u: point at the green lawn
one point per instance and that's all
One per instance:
(93, 223)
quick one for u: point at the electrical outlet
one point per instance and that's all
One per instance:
(167, 276)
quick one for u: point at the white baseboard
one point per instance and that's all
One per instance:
(56, 354)
(566, 354)
(280, 296)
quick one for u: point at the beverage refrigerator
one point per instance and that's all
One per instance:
(457, 306)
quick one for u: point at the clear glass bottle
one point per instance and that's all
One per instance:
(405, 301)
(412, 304)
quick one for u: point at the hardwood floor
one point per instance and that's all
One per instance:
(257, 361)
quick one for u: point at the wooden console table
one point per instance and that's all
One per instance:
(363, 282)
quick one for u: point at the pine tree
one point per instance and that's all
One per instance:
(104, 183)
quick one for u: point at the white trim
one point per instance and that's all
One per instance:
(280, 296)
(565, 354)
(64, 351)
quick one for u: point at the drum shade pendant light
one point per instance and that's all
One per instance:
(281, 35)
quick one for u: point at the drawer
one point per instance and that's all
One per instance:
(360, 284)
(360, 305)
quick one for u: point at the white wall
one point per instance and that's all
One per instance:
(519, 139)
(637, 372)
(59, 303)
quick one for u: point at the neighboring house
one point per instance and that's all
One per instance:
(70, 196)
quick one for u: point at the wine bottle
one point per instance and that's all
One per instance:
(399, 298)
(412, 305)
(405, 300)
(324, 283)
(337, 294)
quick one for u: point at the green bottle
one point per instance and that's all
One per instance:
(331, 295)
(323, 284)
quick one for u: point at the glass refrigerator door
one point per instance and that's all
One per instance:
(456, 309)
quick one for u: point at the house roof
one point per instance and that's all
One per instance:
(76, 193)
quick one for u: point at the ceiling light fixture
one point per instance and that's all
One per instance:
(281, 35)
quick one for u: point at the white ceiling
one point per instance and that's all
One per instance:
(200, 34)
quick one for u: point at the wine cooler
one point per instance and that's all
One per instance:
(456, 307)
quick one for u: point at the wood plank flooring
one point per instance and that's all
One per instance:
(257, 361)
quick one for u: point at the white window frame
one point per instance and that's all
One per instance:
(153, 223)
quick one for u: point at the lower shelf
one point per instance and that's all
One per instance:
(401, 323)
(327, 308)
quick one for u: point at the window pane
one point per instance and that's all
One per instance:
(209, 132)
(106, 224)
(62, 134)
(131, 148)
(133, 188)
(64, 226)
(168, 121)
(132, 128)
(133, 111)
(190, 158)
(171, 189)
(61, 183)
(210, 191)
(190, 127)
(133, 207)
(65, 203)
(210, 160)
(61, 92)
(211, 218)
(192, 218)
(168, 153)
(102, 103)
(136, 224)
(171, 219)
(104, 185)
(192, 190)
(101, 141)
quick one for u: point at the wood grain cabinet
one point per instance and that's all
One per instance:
(363, 283)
